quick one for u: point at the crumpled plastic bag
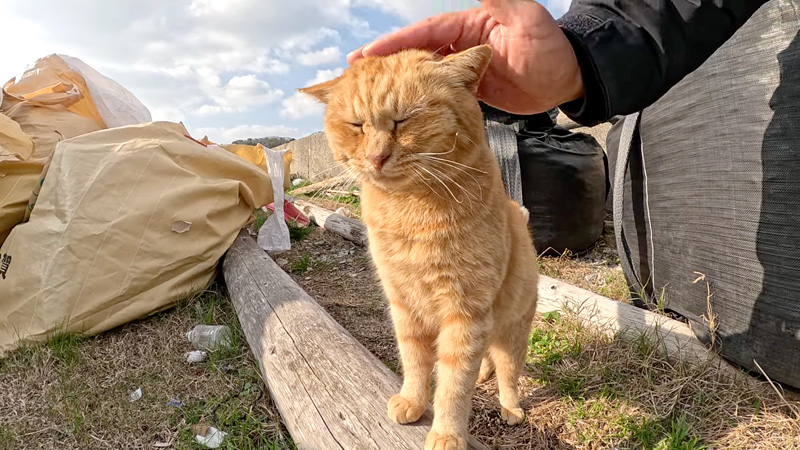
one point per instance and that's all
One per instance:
(274, 234)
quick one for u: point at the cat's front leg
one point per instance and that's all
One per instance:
(417, 356)
(460, 345)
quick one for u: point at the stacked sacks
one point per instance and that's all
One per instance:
(58, 98)
(128, 220)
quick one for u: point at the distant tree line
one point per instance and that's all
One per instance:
(269, 142)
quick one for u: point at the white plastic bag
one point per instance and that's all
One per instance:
(117, 106)
(274, 234)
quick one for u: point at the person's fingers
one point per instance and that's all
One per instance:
(355, 55)
(431, 34)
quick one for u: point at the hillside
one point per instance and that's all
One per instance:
(269, 141)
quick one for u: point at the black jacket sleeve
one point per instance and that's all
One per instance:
(631, 52)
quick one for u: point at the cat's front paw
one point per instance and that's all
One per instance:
(438, 441)
(514, 416)
(403, 411)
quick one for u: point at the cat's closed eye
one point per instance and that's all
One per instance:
(397, 123)
(357, 125)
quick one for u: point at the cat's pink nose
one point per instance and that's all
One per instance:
(379, 159)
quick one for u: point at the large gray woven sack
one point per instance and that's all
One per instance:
(712, 186)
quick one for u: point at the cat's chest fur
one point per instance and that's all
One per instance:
(433, 257)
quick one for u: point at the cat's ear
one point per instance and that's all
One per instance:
(469, 65)
(321, 91)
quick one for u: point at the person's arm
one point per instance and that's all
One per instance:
(631, 52)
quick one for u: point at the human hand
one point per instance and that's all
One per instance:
(533, 69)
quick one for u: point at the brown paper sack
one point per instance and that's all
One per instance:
(128, 221)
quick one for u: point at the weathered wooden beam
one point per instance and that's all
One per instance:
(616, 317)
(322, 185)
(330, 390)
(351, 229)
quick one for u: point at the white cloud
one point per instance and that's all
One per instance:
(306, 41)
(325, 75)
(415, 10)
(328, 55)
(238, 95)
(228, 135)
(300, 105)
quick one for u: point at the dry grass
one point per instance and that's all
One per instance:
(74, 393)
(597, 270)
(586, 390)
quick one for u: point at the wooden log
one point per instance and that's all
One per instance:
(616, 317)
(351, 229)
(330, 390)
(322, 185)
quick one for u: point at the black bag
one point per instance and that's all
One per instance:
(564, 181)
(711, 186)
(564, 186)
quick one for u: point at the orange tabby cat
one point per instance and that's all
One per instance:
(453, 252)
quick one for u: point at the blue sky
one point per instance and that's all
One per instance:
(226, 68)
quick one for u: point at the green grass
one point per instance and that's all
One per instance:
(296, 232)
(547, 348)
(624, 391)
(248, 427)
(572, 386)
(300, 266)
(8, 439)
(261, 217)
(661, 434)
(65, 347)
(352, 200)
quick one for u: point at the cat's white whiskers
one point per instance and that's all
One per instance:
(455, 140)
(422, 178)
(446, 162)
(443, 184)
(469, 195)
(468, 138)
(456, 163)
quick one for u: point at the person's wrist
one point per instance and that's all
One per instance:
(573, 89)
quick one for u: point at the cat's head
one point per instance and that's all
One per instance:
(386, 115)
